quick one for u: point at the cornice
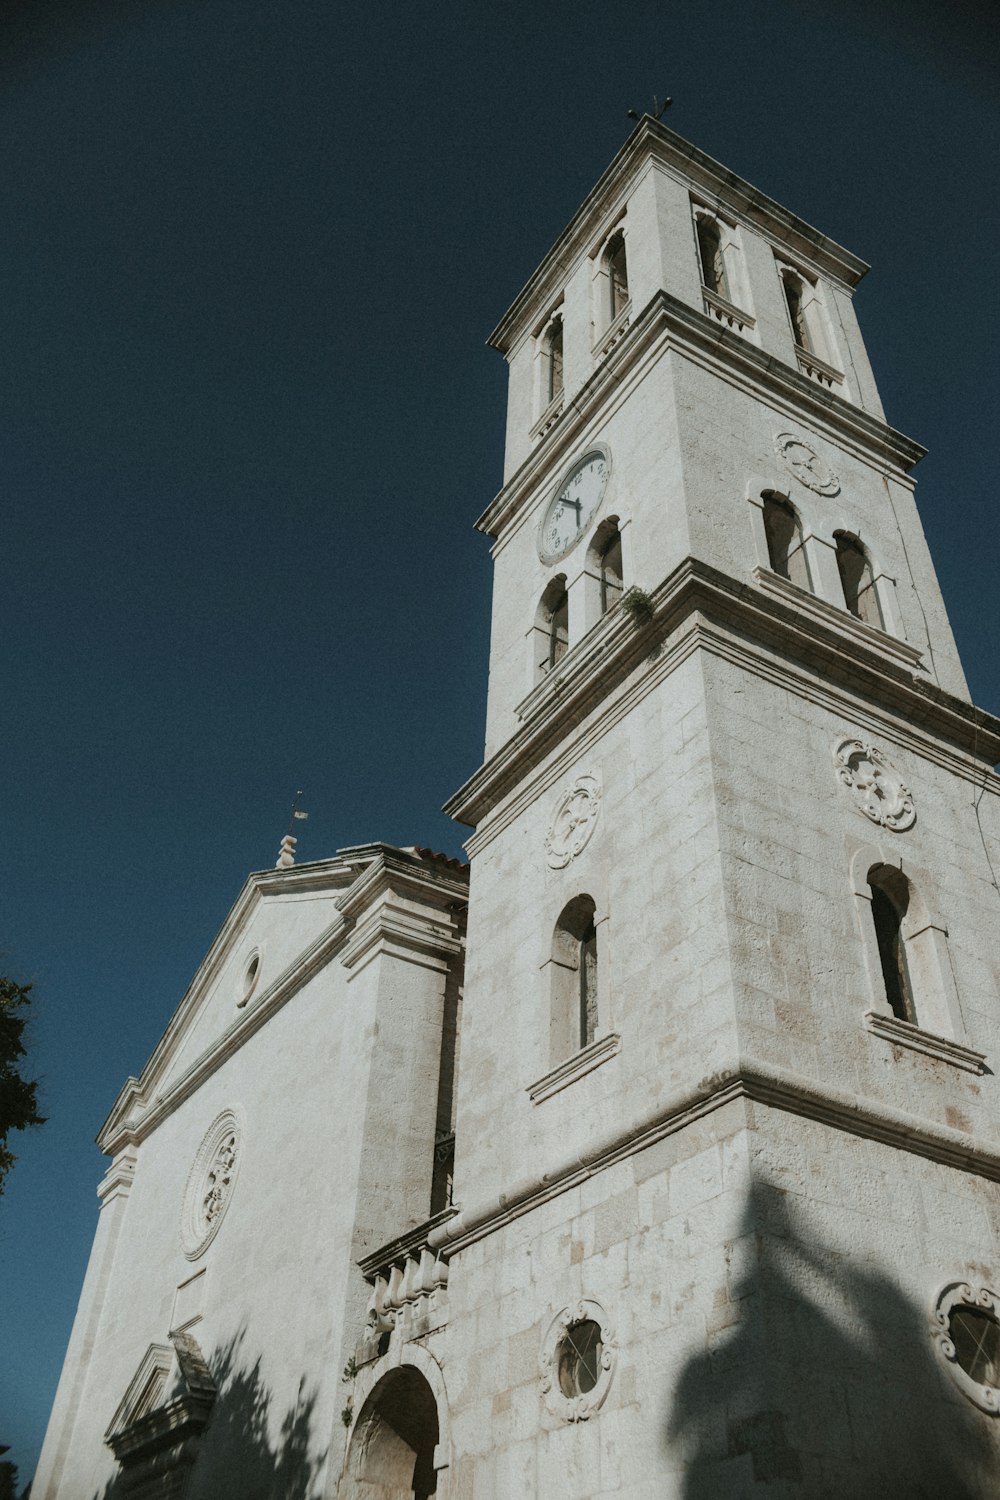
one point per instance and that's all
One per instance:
(751, 1080)
(698, 607)
(667, 323)
(651, 141)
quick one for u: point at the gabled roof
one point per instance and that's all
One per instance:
(351, 878)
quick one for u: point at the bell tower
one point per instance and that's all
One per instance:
(728, 1138)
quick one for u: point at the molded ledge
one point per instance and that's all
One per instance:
(811, 604)
(750, 1079)
(575, 1067)
(891, 1029)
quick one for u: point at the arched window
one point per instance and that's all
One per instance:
(785, 548)
(612, 578)
(857, 580)
(574, 978)
(713, 265)
(551, 634)
(795, 300)
(890, 893)
(552, 353)
(616, 267)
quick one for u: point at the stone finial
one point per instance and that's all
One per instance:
(286, 854)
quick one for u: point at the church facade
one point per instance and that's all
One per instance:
(661, 1157)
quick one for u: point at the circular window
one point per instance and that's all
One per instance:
(577, 1360)
(251, 974)
(580, 1358)
(966, 1322)
(976, 1336)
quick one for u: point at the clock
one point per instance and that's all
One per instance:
(574, 504)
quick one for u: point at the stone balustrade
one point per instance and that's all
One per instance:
(409, 1295)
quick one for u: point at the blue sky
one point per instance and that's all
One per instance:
(249, 256)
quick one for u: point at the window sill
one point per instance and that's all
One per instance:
(727, 313)
(817, 369)
(831, 614)
(549, 417)
(891, 1029)
(611, 335)
(575, 1067)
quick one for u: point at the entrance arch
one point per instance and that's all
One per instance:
(396, 1450)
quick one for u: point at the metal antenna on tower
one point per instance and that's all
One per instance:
(286, 849)
(657, 111)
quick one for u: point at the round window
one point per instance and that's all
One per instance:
(577, 1360)
(250, 976)
(580, 1358)
(966, 1329)
(976, 1336)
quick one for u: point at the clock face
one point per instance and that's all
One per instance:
(574, 504)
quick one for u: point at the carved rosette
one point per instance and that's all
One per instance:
(877, 788)
(573, 820)
(580, 1407)
(980, 1299)
(210, 1183)
(805, 463)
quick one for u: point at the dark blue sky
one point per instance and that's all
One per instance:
(249, 253)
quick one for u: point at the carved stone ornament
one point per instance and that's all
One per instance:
(805, 463)
(877, 788)
(582, 1404)
(210, 1184)
(572, 822)
(981, 1307)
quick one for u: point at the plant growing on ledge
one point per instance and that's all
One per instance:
(638, 605)
(350, 1370)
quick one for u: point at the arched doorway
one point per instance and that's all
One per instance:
(392, 1449)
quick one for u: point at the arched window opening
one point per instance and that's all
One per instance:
(890, 893)
(551, 634)
(857, 580)
(554, 360)
(616, 267)
(559, 630)
(391, 1454)
(575, 978)
(795, 301)
(785, 549)
(588, 984)
(713, 265)
(612, 575)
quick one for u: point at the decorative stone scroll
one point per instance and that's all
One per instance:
(210, 1184)
(965, 1327)
(572, 822)
(566, 1394)
(805, 463)
(877, 788)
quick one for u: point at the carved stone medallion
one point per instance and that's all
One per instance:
(877, 788)
(572, 821)
(805, 463)
(210, 1184)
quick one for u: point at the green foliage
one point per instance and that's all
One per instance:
(350, 1369)
(638, 605)
(18, 1104)
(347, 1415)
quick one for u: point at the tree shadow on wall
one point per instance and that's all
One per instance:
(245, 1452)
(825, 1385)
